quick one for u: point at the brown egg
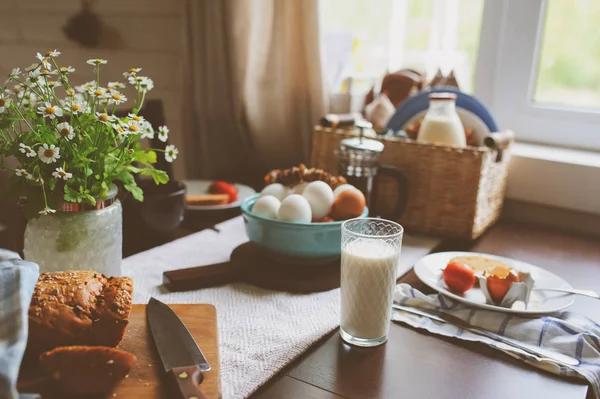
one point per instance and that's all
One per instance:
(499, 281)
(348, 204)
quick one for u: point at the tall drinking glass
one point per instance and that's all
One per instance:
(370, 254)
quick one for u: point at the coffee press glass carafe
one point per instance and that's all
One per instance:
(358, 162)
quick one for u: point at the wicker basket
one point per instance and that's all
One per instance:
(451, 192)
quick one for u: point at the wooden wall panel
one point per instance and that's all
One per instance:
(144, 33)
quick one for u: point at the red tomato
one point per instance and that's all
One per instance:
(222, 187)
(459, 277)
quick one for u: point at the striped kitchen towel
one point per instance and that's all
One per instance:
(566, 332)
(17, 281)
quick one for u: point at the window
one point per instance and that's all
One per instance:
(535, 63)
(569, 74)
(388, 35)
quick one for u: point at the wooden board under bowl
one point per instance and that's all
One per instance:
(146, 378)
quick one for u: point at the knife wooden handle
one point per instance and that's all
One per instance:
(186, 380)
(194, 278)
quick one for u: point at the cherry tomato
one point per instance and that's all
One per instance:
(222, 187)
(459, 277)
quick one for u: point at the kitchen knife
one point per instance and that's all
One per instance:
(181, 357)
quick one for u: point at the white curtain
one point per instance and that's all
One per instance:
(255, 86)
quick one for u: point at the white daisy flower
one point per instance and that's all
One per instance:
(116, 85)
(68, 69)
(119, 127)
(137, 118)
(134, 80)
(132, 127)
(27, 150)
(131, 72)
(23, 173)
(171, 153)
(16, 72)
(54, 53)
(163, 133)
(116, 98)
(47, 211)
(49, 154)
(97, 91)
(45, 63)
(75, 104)
(70, 91)
(86, 86)
(105, 118)
(97, 61)
(18, 90)
(4, 103)
(146, 128)
(147, 85)
(53, 83)
(60, 173)
(32, 67)
(49, 111)
(34, 78)
(64, 130)
(46, 72)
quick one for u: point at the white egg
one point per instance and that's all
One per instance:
(341, 188)
(277, 190)
(299, 188)
(267, 207)
(320, 197)
(295, 208)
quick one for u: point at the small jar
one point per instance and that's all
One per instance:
(442, 124)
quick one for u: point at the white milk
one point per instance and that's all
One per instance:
(367, 286)
(446, 130)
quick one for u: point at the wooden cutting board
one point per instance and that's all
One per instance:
(146, 379)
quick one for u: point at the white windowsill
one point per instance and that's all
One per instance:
(559, 177)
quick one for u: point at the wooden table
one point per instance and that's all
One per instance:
(415, 364)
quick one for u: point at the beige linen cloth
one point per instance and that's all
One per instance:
(260, 331)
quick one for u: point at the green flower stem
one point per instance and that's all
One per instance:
(24, 120)
(51, 91)
(39, 93)
(142, 102)
(137, 99)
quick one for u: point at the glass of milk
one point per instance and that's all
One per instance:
(370, 253)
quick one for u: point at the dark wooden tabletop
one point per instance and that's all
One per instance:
(416, 364)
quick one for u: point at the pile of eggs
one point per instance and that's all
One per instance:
(309, 202)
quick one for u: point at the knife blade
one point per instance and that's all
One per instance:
(539, 352)
(181, 356)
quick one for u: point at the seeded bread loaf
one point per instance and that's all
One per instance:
(78, 308)
(87, 370)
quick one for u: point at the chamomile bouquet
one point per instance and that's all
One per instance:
(69, 144)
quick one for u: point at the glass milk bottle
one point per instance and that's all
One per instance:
(442, 124)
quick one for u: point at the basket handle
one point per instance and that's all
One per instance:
(402, 184)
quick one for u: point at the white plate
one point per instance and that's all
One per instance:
(429, 270)
(199, 187)
(468, 119)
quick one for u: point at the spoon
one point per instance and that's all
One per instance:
(574, 291)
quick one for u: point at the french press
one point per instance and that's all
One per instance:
(358, 162)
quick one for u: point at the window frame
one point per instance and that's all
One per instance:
(506, 74)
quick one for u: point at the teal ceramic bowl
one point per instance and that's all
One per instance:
(303, 241)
